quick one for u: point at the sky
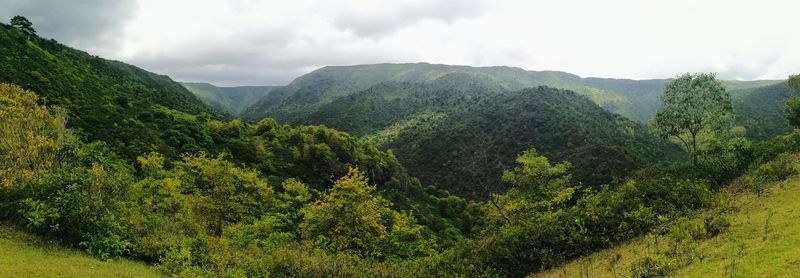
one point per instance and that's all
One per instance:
(251, 42)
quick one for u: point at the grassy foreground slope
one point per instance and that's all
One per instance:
(25, 255)
(761, 242)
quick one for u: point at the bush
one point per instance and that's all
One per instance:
(780, 168)
(652, 266)
(725, 159)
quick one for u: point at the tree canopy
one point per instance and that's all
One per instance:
(695, 106)
(23, 24)
(793, 102)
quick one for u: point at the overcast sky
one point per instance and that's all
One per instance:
(251, 42)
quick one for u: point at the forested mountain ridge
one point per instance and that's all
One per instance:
(635, 99)
(555, 176)
(328, 83)
(135, 112)
(761, 110)
(460, 128)
(122, 105)
(229, 100)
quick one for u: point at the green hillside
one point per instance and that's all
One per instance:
(460, 128)
(390, 170)
(109, 101)
(26, 255)
(324, 85)
(761, 110)
(760, 242)
(635, 99)
(229, 100)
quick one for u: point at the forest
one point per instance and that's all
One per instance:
(390, 170)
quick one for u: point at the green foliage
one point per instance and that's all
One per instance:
(219, 198)
(351, 217)
(116, 103)
(30, 135)
(777, 169)
(536, 185)
(794, 102)
(724, 159)
(222, 193)
(762, 110)
(458, 129)
(23, 24)
(82, 199)
(694, 106)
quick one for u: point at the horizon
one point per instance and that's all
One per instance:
(412, 63)
(239, 43)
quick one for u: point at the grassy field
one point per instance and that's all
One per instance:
(25, 255)
(762, 241)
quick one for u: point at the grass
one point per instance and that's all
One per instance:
(762, 241)
(25, 255)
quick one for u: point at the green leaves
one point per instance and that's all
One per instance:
(694, 106)
(351, 217)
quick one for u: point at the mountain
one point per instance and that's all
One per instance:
(127, 107)
(635, 99)
(761, 110)
(322, 86)
(458, 129)
(229, 100)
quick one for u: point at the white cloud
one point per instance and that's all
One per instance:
(242, 42)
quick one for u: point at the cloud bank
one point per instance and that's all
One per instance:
(248, 42)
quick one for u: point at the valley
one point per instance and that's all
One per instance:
(389, 170)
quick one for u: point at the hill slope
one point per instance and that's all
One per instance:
(120, 104)
(25, 255)
(230, 100)
(761, 110)
(635, 99)
(761, 241)
(322, 86)
(459, 129)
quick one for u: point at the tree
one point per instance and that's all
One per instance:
(536, 184)
(24, 25)
(31, 135)
(793, 103)
(223, 193)
(352, 217)
(695, 106)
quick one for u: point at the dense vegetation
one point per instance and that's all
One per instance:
(308, 92)
(228, 100)
(459, 129)
(637, 100)
(761, 110)
(198, 194)
(121, 105)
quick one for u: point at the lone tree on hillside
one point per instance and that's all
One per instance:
(794, 102)
(24, 25)
(695, 107)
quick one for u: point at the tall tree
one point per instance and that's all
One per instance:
(696, 106)
(24, 25)
(794, 102)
